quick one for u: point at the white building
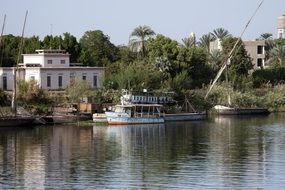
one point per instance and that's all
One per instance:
(281, 27)
(52, 70)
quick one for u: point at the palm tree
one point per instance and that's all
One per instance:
(189, 42)
(142, 33)
(277, 54)
(265, 36)
(269, 43)
(215, 58)
(221, 34)
(205, 41)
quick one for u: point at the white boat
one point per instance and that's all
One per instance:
(99, 117)
(135, 114)
(225, 110)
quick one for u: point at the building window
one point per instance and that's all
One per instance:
(94, 81)
(4, 83)
(49, 61)
(259, 62)
(48, 81)
(60, 81)
(32, 78)
(62, 61)
(84, 77)
(259, 49)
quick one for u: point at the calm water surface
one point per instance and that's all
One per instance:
(223, 152)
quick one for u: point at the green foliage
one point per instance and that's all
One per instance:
(9, 50)
(77, 89)
(141, 34)
(275, 98)
(31, 93)
(136, 76)
(240, 63)
(4, 100)
(97, 50)
(32, 97)
(273, 76)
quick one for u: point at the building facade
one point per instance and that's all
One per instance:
(281, 27)
(52, 70)
(255, 49)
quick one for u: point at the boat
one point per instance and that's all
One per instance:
(16, 121)
(135, 114)
(229, 109)
(225, 110)
(188, 116)
(65, 118)
(99, 118)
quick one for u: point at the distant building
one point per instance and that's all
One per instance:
(281, 26)
(51, 69)
(255, 49)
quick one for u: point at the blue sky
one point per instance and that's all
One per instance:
(117, 18)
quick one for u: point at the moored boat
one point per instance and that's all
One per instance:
(135, 114)
(185, 116)
(16, 121)
(99, 117)
(224, 110)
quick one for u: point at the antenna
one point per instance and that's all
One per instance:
(228, 58)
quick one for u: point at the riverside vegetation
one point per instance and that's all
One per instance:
(157, 63)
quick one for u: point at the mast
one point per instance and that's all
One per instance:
(228, 58)
(14, 109)
(2, 31)
(3, 26)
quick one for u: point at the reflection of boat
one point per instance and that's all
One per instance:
(135, 114)
(224, 110)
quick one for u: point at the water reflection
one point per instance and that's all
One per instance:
(223, 152)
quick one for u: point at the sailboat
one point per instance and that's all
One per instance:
(15, 119)
(228, 109)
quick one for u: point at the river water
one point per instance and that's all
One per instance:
(219, 153)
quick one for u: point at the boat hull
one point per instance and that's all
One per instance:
(16, 121)
(223, 110)
(185, 116)
(114, 118)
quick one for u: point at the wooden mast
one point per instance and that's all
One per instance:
(14, 103)
(2, 31)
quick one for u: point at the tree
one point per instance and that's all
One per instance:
(141, 34)
(240, 63)
(165, 49)
(9, 50)
(277, 54)
(96, 49)
(77, 90)
(189, 42)
(221, 34)
(215, 59)
(265, 36)
(70, 44)
(205, 41)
